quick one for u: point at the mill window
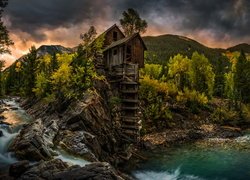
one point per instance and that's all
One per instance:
(114, 36)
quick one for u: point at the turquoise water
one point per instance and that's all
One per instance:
(215, 159)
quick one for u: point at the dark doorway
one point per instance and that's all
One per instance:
(129, 53)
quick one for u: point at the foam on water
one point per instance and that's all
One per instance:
(174, 175)
(5, 156)
(70, 159)
(243, 139)
(16, 117)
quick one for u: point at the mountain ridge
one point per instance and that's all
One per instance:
(162, 47)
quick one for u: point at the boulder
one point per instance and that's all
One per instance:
(195, 134)
(14, 108)
(86, 129)
(17, 169)
(92, 171)
(5, 123)
(148, 145)
(76, 143)
(57, 169)
(44, 170)
(35, 141)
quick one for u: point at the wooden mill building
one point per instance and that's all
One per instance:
(122, 58)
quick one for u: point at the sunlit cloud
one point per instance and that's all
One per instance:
(214, 23)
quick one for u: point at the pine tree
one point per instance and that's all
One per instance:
(2, 62)
(242, 79)
(132, 22)
(5, 40)
(220, 69)
(30, 65)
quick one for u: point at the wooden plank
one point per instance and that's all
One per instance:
(132, 127)
(129, 108)
(130, 100)
(129, 91)
(129, 83)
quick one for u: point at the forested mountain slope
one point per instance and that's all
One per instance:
(161, 48)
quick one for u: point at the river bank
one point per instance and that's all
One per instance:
(31, 140)
(58, 141)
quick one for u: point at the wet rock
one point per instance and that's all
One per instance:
(230, 132)
(6, 177)
(44, 170)
(14, 108)
(1, 133)
(87, 124)
(76, 143)
(92, 171)
(35, 141)
(148, 145)
(17, 169)
(5, 123)
(2, 110)
(195, 134)
(86, 128)
(57, 169)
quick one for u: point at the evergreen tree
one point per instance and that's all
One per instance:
(29, 69)
(242, 78)
(131, 22)
(220, 69)
(2, 62)
(5, 40)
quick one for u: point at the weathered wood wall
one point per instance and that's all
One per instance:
(137, 49)
(117, 55)
(109, 36)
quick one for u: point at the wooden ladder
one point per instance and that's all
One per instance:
(130, 122)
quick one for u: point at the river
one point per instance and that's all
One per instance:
(212, 159)
(12, 120)
(13, 117)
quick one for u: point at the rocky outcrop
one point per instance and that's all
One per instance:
(45, 170)
(78, 143)
(83, 127)
(17, 169)
(173, 136)
(35, 141)
(92, 171)
(87, 124)
(57, 169)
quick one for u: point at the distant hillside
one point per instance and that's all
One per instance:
(161, 48)
(244, 46)
(51, 49)
(46, 49)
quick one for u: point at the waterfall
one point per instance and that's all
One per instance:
(5, 156)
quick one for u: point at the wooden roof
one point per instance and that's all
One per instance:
(125, 40)
(109, 29)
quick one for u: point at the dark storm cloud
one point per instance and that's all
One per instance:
(220, 17)
(32, 15)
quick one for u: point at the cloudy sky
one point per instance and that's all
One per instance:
(215, 23)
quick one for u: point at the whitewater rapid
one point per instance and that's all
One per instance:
(16, 117)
